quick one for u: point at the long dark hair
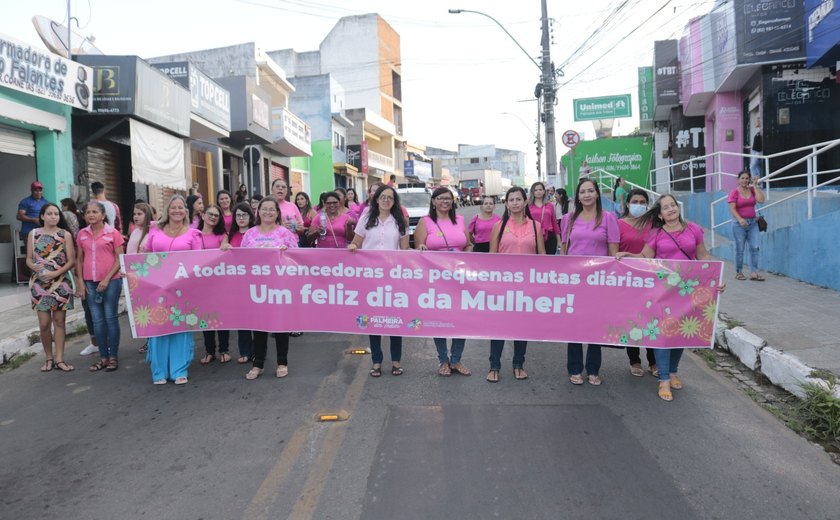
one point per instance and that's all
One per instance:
(531, 199)
(652, 216)
(71, 207)
(190, 201)
(219, 194)
(306, 209)
(62, 222)
(433, 212)
(342, 192)
(616, 185)
(579, 206)
(564, 201)
(219, 228)
(630, 194)
(234, 228)
(506, 214)
(148, 217)
(396, 210)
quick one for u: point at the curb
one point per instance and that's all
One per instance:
(16, 344)
(782, 369)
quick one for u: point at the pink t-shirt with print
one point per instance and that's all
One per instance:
(277, 237)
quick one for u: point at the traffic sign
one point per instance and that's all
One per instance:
(571, 138)
(608, 107)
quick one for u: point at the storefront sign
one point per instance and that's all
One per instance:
(666, 76)
(688, 141)
(40, 73)
(769, 30)
(605, 107)
(650, 303)
(628, 157)
(822, 32)
(208, 99)
(646, 98)
(247, 101)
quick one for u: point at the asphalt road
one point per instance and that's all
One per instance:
(112, 445)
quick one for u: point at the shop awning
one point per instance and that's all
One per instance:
(157, 158)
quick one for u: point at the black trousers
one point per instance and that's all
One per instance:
(281, 340)
(633, 355)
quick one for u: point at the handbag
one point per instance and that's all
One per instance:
(762, 223)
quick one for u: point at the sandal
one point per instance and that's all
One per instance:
(519, 374)
(576, 379)
(282, 371)
(113, 365)
(206, 359)
(756, 277)
(102, 364)
(181, 380)
(254, 373)
(458, 368)
(376, 371)
(444, 370)
(665, 391)
(654, 371)
(594, 380)
(396, 371)
(48, 365)
(243, 359)
(637, 371)
(493, 376)
(740, 276)
(64, 367)
(143, 349)
(224, 357)
(676, 382)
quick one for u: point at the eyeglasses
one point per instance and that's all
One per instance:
(212, 215)
(242, 215)
(386, 199)
(330, 202)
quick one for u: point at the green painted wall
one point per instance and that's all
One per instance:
(53, 150)
(627, 157)
(321, 174)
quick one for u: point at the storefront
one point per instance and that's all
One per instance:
(38, 90)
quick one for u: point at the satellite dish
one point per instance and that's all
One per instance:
(54, 36)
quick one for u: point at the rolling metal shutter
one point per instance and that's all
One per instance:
(17, 142)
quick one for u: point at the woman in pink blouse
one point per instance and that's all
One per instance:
(443, 230)
(243, 220)
(225, 201)
(269, 232)
(337, 229)
(352, 200)
(170, 356)
(671, 238)
(517, 233)
(292, 219)
(742, 201)
(588, 231)
(481, 225)
(212, 228)
(542, 210)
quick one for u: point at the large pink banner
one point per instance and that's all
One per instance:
(650, 303)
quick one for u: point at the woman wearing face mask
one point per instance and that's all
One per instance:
(542, 210)
(633, 241)
(588, 231)
(481, 225)
(516, 233)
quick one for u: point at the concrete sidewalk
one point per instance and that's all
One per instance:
(783, 328)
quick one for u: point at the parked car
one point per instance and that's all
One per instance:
(416, 201)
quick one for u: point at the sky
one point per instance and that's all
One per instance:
(463, 79)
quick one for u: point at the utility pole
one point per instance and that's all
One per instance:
(548, 88)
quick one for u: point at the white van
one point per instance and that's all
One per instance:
(416, 201)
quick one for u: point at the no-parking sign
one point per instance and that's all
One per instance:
(571, 138)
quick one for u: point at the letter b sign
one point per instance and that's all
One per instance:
(106, 81)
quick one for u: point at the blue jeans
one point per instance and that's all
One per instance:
(742, 237)
(376, 349)
(574, 359)
(105, 317)
(88, 319)
(246, 343)
(496, 347)
(668, 361)
(452, 357)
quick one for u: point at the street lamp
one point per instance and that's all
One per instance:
(546, 87)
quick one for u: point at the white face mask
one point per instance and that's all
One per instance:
(637, 210)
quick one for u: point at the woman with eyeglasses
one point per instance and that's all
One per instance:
(243, 220)
(382, 227)
(443, 230)
(213, 234)
(269, 232)
(336, 231)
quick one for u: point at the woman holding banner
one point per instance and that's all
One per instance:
(213, 233)
(672, 238)
(517, 233)
(333, 232)
(243, 220)
(443, 230)
(382, 227)
(588, 231)
(633, 241)
(269, 232)
(170, 356)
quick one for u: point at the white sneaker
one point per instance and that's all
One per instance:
(88, 350)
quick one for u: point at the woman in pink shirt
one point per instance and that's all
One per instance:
(337, 229)
(212, 228)
(170, 356)
(352, 200)
(98, 251)
(443, 230)
(481, 225)
(382, 227)
(225, 202)
(243, 220)
(292, 219)
(588, 231)
(517, 233)
(542, 210)
(671, 238)
(742, 201)
(269, 232)
(633, 241)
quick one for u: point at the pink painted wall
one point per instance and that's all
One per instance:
(725, 114)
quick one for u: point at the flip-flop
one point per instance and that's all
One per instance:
(48, 365)
(493, 376)
(206, 359)
(519, 374)
(576, 379)
(637, 371)
(757, 278)
(740, 276)
(224, 357)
